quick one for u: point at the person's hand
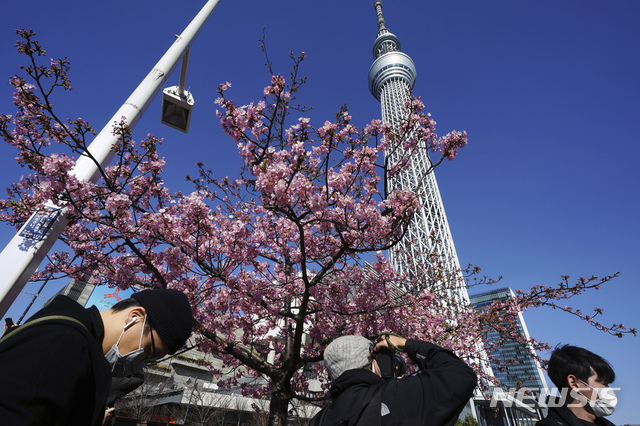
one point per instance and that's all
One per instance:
(390, 341)
(107, 415)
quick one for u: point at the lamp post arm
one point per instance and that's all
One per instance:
(133, 108)
(25, 251)
(183, 73)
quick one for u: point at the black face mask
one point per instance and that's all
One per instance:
(390, 363)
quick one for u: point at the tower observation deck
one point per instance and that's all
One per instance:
(391, 79)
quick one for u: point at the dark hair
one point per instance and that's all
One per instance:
(580, 362)
(125, 304)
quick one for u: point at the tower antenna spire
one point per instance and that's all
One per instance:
(382, 26)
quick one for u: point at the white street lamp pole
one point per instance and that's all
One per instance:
(30, 245)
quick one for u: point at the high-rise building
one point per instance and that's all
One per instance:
(523, 386)
(391, 79)
(520, 368)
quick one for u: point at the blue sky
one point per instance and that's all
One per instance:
(547, 91)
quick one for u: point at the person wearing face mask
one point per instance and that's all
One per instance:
(57, 368)
(365, 389)
(583, 379)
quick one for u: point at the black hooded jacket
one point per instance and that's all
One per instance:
(562, 416)
(55, 372)
(435, 396)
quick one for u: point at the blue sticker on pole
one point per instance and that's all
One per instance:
(40, 223)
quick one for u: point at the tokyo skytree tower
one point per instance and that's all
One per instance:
(391, 77)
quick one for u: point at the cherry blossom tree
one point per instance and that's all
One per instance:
(273, 261)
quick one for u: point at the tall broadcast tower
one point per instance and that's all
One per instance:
(391, 78)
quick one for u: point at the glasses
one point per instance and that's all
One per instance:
(153, 346)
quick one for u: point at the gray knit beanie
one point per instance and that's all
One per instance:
(346, 353)
(169, 313)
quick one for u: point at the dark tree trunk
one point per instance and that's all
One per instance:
(279, 406)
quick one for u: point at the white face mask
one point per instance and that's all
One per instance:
(606, 402)
(126, 365)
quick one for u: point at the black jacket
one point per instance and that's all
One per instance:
(562, 416)
(435, 396)
(55, 372)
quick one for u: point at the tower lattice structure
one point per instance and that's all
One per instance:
(391, 79)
